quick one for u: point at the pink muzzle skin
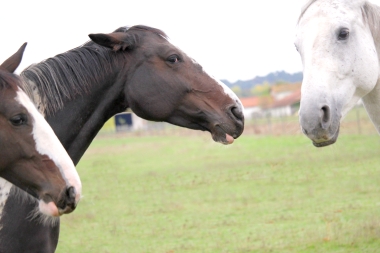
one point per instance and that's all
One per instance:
(49, 209)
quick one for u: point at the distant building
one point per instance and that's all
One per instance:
(286, 106)
(284, 100)
(281, 91)
(252, 107)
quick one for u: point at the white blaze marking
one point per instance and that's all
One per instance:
(228, 91)
(48, 144)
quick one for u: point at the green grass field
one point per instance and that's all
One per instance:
(168, 194)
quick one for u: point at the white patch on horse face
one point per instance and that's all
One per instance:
(48, 144)
(228, 92)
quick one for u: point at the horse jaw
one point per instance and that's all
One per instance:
(372, 105)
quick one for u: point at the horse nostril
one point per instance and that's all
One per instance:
(237, 113)
(325, 116)
(70, 193)
(68, 204)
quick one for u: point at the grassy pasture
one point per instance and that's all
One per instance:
(262, 194)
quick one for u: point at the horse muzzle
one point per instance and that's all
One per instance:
(66, 204)
(225, 133)
(320, 125)
(68, 201)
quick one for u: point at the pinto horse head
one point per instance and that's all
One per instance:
(165, 84)
(32, 157)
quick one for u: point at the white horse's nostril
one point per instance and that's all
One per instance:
(325, 117)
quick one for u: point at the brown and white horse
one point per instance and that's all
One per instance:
(31, 155)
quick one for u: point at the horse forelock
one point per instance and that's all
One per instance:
(67, 75)
(143, 27)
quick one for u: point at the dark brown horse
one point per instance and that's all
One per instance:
(31, 155)
(137, 68)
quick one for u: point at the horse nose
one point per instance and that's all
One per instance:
(237, 113)
(68, 202)
(325, 117)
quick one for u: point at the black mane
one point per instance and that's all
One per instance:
(73, 73)
(67, 75)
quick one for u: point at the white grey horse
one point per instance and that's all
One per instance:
(339, 44)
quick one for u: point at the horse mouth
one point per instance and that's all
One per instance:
(324, 144)
(332, 140)
(218, 133)
(221, 136)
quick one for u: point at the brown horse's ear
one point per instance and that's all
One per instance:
(12, 62)
(116, 41)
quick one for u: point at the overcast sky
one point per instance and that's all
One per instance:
(233, 40)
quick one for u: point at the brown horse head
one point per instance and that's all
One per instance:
(165, 84)
(32, 157)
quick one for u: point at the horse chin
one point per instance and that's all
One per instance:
(221, 136)
(49, 209)
(217, 132)
(330, 141)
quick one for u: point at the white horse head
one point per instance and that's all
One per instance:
(338, 41)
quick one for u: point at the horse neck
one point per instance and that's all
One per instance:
(372, 105)
(77, 124)
(81, 118)
(371, 101)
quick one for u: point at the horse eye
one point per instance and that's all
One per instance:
(343, 34)
(18, 120)
(173, 58)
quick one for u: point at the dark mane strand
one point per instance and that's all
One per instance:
(74, 72)
(68, 75)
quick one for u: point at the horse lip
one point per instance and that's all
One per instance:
(324, 144)
(219, 134)
(328, 142)
(66, 210)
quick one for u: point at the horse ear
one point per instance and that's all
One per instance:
(116, 41)
(12, 62)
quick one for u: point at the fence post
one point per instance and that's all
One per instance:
(358, 119)
(269, 123)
